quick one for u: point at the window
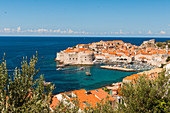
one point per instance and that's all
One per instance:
(118, 100)
(88, 93)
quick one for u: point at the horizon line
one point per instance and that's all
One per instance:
(83, 36)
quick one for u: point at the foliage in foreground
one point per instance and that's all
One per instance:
(168, 59)
(21, 92)
(146, 96)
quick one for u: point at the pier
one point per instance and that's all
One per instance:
(118, 68)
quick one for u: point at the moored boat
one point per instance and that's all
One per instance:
(59, 68)
(88, 73)
(81, 68)
(61, 65)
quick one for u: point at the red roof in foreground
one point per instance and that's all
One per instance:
(102, 94)
(85, 97)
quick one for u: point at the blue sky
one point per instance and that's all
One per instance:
(85, 17)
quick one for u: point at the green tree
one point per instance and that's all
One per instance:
(146, 96)
(21, 92)
(168, 41)
(159, 44)
(168, 59)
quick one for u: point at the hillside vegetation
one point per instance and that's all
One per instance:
(163, 44)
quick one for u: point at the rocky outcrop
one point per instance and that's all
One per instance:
(150, 43)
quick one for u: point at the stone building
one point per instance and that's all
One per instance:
(76, 57)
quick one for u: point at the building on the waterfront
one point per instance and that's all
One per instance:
(82, 46)
(76, 57)
(114, 51)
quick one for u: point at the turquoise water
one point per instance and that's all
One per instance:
(71, 78)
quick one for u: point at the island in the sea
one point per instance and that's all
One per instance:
(148, 52)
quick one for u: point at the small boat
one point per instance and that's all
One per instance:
(42, 57)
(59, 68)
(81, 68)
(60, 65)
(88, 73)
(138, 70)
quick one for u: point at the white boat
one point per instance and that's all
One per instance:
(81, 68)
(138, 70)
(59, 68)
(88, 73)
(60, 65)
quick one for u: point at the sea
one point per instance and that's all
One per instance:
(71, 77)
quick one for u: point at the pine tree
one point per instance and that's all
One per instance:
(21, 92)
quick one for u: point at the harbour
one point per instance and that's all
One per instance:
(70, 77)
